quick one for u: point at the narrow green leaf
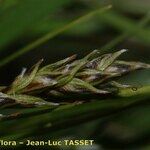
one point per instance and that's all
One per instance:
(25, 14)
(72, 115)
(110, 45)
(51, 35)
(127, 25)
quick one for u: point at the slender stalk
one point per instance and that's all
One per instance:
(124, 36)
(72, 115)
(51, 35)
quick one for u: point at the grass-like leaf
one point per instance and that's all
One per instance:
(32, 122)
(25, 14)
(52, 34)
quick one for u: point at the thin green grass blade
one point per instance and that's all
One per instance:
(120, 22)
(70, 115)
(51, 35)
(124, 36)
(23, 15)
(127, 25)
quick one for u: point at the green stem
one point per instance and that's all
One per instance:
(51, 35)
(72, 115)
(135, 92)
(124, 36)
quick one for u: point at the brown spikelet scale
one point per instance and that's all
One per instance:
(95, 75)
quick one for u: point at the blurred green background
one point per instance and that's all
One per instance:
(125, 26)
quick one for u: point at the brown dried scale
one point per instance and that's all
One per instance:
(94, 74)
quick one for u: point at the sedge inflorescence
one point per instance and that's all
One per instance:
(95, 74)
